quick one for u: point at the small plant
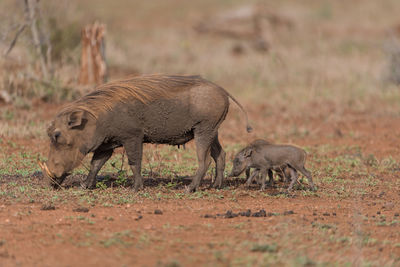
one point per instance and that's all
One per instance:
(323, 226)
(371, 161)
(119, 238)
(122, 178)
(172, 263)
(304, 261)
(264, 248)
(101, 185)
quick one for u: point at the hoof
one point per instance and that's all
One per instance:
(84, 185)
(191, 189)
(289, 191)
(137, 187)
(216, 185)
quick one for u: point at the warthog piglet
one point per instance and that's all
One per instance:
(265, 157)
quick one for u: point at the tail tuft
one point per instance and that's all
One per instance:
(248, 127)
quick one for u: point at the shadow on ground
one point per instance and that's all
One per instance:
(111, 180)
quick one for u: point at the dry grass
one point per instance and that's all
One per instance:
(333, 53)
(331, 62)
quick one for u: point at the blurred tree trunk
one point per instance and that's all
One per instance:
(39, 35)
(30, 9)
(93, 68)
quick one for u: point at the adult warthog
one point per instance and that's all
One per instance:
(157, 109)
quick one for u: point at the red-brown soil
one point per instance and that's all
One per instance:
(349, 220)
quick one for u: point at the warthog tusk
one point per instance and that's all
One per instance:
(45, 169)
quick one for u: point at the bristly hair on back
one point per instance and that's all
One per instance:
(144, 88)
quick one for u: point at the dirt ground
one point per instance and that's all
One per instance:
(352, 219)
(325, 83)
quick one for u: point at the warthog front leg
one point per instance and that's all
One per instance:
(254, 174)
(271, 178)
(98, 160)
(263, 178)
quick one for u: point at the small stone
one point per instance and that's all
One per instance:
(245, 213)
(139, 218)
(289, 212)
(326, 214)
(158, 212)
(334, 213)
(48, 207)
(81, 209)
(229, 214)
(378, 212)
(396, 214)
(260, 213)
(210, 216)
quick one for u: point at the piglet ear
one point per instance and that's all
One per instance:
(247, 153)
(75, 118)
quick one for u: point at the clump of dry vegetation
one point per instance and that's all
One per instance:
(323, 55)
(392, 49)
(36, 48)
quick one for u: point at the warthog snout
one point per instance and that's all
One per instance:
(48, 175)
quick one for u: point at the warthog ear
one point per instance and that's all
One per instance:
(247, 153)
(75, 118)
(50, 129)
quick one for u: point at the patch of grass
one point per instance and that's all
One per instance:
(124, 239)
(303, 261)
(172, 263)
(271, 248)
(343, 240)
(310, 193)
(219, 256)
(143, 240)
(323, 226)
(101, 185)
(239, 225)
